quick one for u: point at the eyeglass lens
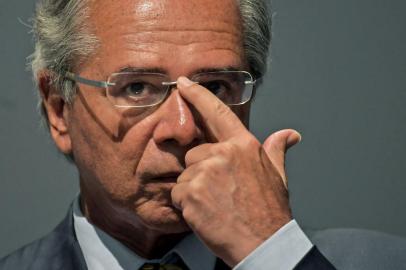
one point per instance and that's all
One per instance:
(147, 89)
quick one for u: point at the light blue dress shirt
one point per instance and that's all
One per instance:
(283, 250)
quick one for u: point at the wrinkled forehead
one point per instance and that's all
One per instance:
(171, 14)
(160, 33)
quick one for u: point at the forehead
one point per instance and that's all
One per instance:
(165, 8)
(172, 13)
(154, 28)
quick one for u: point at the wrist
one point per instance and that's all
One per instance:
(247, 242)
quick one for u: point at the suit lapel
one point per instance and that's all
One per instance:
(220, 265)
(71, 254)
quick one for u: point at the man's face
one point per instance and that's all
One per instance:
(129, 161)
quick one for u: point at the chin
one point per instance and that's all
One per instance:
(166, 219)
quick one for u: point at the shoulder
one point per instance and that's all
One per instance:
(361, 249)
(57, 250)
(32, 256)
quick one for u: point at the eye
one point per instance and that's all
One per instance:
(216, 87)
(135, 89)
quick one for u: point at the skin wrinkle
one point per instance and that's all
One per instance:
(146, 47)
(191, 30)
(148, 12)
(158, 43)
(124, 121)
(120, 189)
(160, 24)
(224, 40)
(183, 34)
(149, 48)
(222, 27)
(148, 54)
(281, 190)
(153, 41)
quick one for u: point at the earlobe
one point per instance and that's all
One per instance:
(57, 112)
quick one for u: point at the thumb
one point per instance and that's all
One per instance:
(276, 146)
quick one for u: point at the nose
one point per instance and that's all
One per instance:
(177, 123)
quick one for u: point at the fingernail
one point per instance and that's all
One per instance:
(184, 82)
(300, 137)
(294, 139)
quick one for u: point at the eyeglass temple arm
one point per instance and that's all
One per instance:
(77, 78)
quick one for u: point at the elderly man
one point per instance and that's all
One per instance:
(150, 99)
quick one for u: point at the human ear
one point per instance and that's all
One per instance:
(56, 110)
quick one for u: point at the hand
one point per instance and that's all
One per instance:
(232, 192)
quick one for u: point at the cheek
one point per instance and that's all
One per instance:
(107, 164)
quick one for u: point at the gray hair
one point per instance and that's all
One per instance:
(257, 34)
(63, 39)
(62, 42)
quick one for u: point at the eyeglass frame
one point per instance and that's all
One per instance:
(105, 84)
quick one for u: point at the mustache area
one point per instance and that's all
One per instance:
(157, 187)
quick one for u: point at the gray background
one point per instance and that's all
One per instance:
(338, 76)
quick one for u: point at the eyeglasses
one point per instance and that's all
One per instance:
(143, 89)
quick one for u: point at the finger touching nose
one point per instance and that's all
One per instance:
(177, 122)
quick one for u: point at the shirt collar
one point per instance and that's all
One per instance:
(101, 251)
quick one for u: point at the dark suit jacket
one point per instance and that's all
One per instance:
(60, 250)
(359, 249)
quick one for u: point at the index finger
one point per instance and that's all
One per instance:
(218, 117)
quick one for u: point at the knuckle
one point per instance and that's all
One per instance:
(227, 150)
(251, 142)
(189, 157)
(196, 192)
(191, 216)
(187, 214)
(246, 142)
(201, 168)
(209, 167)
(196, 189)
(174, 192)
(176, 197)
(182, 178)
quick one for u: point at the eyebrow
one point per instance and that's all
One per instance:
(142, 70)
(229, 68)
(163, 71)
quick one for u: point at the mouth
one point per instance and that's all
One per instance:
(167, 177)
